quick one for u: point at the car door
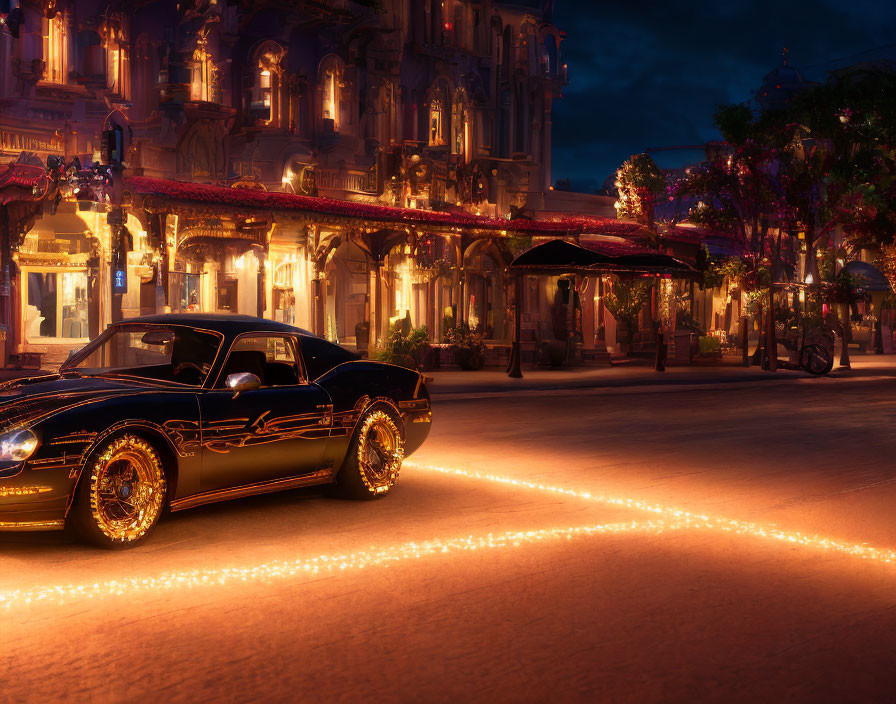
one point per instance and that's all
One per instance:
(277, 430)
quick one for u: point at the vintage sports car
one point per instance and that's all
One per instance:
(176, 411)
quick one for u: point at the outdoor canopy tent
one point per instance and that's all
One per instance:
(595, 256)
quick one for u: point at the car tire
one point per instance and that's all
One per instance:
(374, 456)
(121, 494)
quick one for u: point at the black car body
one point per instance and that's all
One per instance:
(214, 440)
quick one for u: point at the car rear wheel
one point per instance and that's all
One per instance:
(121, 494)
(374, 457)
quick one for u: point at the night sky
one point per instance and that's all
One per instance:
(645, 73)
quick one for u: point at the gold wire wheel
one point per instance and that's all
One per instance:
(380, 452)
(127, 489)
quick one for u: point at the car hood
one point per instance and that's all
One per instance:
(24, 401)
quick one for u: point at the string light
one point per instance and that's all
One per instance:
(662, 518)
(692, 520)
(321, 564)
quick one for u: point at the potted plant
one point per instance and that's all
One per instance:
(409, 350)
(467, 346)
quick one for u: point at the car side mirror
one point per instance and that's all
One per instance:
(242, 381)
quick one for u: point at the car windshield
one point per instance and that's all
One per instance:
(167, 353)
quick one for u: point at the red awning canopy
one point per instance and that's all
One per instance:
(273, 201)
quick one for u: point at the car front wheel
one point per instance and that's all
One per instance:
(374, 457)
(121, 494)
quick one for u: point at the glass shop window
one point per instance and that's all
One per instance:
(227, 293)
(186, 292)
(56, 305)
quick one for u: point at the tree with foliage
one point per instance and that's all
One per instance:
(639, 182)
(845, 130)
(625, 300)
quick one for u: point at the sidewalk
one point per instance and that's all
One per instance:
(457, 384)
(637, 373)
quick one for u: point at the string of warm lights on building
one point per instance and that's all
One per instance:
(663, 518)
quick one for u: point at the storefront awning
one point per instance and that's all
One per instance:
(242, 198)
(559, 256)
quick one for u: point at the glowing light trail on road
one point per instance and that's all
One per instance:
(685, 518)
(321, 564)
(663, 518)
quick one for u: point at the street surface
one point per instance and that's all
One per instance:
(461, 586)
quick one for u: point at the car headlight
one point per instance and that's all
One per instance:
(17, 445)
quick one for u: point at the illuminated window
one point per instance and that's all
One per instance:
(330, 102)
(56, 49)
(460, 122)
(264, 82)
(261, 96)
(118, 77)
(436, 110)
(203, 84)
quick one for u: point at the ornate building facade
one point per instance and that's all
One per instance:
(415, 105)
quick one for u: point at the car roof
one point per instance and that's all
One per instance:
(227, 325)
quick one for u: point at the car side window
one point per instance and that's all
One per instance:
(269, 357)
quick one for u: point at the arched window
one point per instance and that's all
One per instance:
(118, 69)
(550, 55)
(56, 49)
(265, 101)
(460, 123)
(331, 84)
(439, 103)
(203, 85)
(436, 113)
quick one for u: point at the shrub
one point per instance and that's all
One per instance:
(710, 345)
(467, 346)
(405, 350)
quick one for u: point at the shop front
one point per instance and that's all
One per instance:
(60, 271)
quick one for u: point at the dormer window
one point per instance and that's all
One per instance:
(56, 49)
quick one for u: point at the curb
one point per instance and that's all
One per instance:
(647, 386)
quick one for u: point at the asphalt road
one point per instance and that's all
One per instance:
(463, 586)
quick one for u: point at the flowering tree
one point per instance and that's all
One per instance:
(639, 182)
(845, 132)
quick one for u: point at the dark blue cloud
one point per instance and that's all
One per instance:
(646, 73)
